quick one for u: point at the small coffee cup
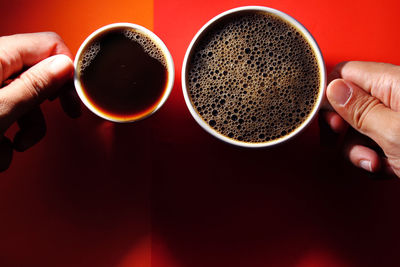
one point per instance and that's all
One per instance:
(123, 72)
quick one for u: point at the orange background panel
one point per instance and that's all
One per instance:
(76, 199)
(74, 20)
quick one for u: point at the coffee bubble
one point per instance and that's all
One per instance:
(89, 55)
(260, 72)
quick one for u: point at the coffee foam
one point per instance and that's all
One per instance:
(89, 55)
(253, 77)
(145, 42)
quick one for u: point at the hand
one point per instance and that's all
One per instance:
(33, 67)
(366, 95)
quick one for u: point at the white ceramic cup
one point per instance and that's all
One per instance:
(168, 59)
(292, 22)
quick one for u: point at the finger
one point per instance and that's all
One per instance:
(32, 87)
(32, 129)
(381, 80)
(336, 123)
(6, 153)
(69, 100)
(67, 85)
(325, 105)
(25, 50)
(363, 157)
(365, 154)
(335, 73)
(363, 112)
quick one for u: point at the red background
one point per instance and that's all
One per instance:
(162, 192)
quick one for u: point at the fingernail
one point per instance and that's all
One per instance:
(340, 92)
(366, 165)
(59, 63)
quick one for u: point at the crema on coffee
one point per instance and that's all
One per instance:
(253, 77)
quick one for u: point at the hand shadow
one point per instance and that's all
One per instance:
(84, 199)
(6, 153)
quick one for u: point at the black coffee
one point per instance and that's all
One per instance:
(253, 77)
(123, 73)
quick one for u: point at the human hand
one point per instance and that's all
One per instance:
(33, 67)
(366, 95)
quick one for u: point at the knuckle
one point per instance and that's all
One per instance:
(362, 110)
(383, 86)
(6, 108)
(6, 61)
(54, 39)
(391, 134)
(53, 35)
(56, 43)
(386, 85)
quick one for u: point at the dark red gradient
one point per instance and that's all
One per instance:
(162, 192)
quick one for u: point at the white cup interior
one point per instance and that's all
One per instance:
(157, 41)
(294, 23)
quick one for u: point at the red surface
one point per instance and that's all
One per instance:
(162, 192)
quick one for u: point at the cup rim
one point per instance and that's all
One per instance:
(157, 41)
(310, 39)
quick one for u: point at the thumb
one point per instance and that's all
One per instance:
(362, 111)
(32, 87)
